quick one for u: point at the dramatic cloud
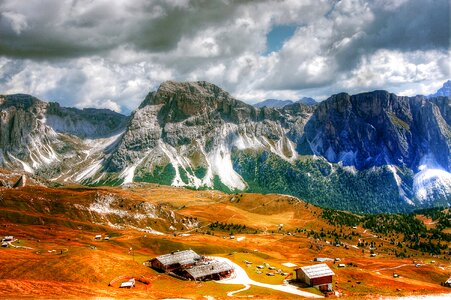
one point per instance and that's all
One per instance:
(110, 54)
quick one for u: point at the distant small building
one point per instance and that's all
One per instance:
(175, 260)
(341, 265)
(215, 270)
(318, 276)
(98, 237)
(8, 238)
(322, 259)
(128, 284)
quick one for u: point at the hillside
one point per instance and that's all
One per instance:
(55, 229)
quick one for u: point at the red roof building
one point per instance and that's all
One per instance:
(318, 276)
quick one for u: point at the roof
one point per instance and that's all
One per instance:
(322, 259)
(316, 271)
(209, 269)
(127, 284)
(181, 257)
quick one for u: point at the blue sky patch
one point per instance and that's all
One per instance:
(278, 35)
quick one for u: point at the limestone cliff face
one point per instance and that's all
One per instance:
(196, 125)
(380, 128)
(45, 138)
(19, 116)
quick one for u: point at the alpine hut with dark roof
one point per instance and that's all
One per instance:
(175, 260)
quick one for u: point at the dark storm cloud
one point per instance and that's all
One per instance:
(79, 28)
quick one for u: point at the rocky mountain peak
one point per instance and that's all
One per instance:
(307, 101)
(444, 91)
(195, 92)
(181, 101)
(20, 101)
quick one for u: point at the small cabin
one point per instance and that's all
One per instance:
(319, 276)
(98, 237)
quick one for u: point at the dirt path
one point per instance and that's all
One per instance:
(393, 268)
(241, 277)
(246, 287)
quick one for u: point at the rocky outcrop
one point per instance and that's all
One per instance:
(44, 138)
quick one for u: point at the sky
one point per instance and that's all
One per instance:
(111, 53)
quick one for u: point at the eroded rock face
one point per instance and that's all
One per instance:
(196, 125)
(42, 137)
(20, 115)
(379, 128)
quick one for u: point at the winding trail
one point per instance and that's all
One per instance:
(246, 287)
(241, 277)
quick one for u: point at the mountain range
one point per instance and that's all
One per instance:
(370, 152)
(275, 103)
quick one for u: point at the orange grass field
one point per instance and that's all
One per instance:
(56, 255)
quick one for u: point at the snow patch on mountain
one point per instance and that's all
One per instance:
(221, 163)
(90, 171)
(399, 183)
(26, 167)
(244, 141)
(101, 144)
(431, 180)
